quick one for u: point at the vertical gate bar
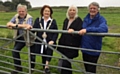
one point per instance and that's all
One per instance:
(29, 55)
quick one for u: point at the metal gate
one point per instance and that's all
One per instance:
(7, 64)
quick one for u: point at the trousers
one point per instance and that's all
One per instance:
(49, 52)
(66, 64)
(92, 59)
(16, 54)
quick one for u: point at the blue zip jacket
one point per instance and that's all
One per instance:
(97, 25)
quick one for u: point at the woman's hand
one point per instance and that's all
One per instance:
(51, 42)
(70, 30)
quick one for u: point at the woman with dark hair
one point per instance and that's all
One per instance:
(46, 22)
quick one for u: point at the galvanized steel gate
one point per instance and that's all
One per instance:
(6, 69)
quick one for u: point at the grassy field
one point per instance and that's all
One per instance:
(112, 16)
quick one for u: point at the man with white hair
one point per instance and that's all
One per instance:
(94, 23)
(21, 20)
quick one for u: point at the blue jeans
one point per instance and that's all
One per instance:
(16, 55)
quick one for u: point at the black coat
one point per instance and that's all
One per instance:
(50, 36)
(73, 40)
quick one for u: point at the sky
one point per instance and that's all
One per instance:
(102, 3)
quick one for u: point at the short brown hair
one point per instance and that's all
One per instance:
(46, 6)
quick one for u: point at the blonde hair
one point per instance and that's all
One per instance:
(76, 9)
(22, 6)
(95, 4)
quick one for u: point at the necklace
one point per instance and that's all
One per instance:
(44, 35)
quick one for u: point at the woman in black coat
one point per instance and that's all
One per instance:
(71, 23)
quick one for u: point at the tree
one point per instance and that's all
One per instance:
(1, 3)
(3, 8)
(13, 5)
(16, 2)
(9, 5)
(28, 4)
(22, 1)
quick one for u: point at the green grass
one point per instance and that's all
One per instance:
(112, 16)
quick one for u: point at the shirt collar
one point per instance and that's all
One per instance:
(49, 19)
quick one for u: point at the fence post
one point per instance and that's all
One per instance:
(29, 55)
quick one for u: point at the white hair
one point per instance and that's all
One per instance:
(95, 4)
(22, 6)
(76, 9)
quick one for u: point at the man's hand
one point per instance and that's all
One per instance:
(10, 25)
(27, 26)
(82, 32)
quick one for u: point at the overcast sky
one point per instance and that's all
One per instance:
(103, 3)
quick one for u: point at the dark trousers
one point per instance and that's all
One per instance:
(16, 55)
(66, 64)
(48, 52)
(92, 59)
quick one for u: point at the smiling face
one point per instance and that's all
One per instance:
(46, 12)
(93, 10)
(72, 12)
(22, 12)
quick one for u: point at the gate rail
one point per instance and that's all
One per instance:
(79, 69)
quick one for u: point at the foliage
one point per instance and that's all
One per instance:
(1, 2)
(3, 8)
(10, 6)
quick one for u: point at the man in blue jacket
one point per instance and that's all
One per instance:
(96, 23)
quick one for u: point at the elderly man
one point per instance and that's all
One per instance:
(21, 20)
(95, 23)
